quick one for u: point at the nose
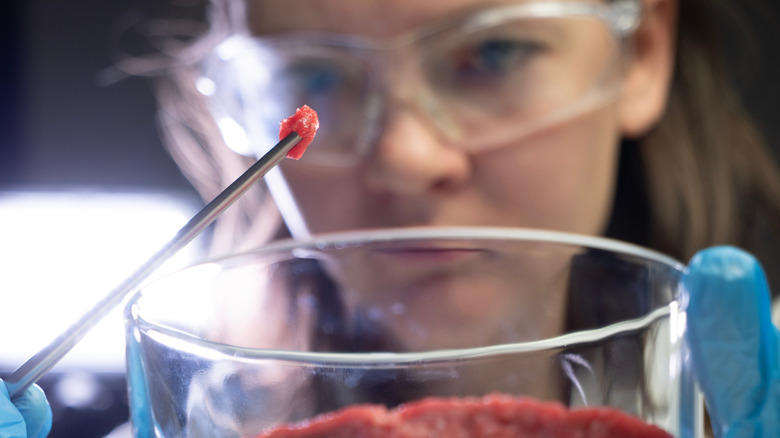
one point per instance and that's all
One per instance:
(411, 159)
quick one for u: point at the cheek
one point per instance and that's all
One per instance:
(329, 199)
(562, 179)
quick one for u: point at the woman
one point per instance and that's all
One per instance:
(451, 113)
(602, 118)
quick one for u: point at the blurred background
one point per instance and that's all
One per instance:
(87, 191)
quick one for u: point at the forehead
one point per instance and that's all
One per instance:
(358, 17)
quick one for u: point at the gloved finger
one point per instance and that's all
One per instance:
(11, 420)
(36, 412)
(734, 346)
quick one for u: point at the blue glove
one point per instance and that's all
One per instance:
(140, 415)
(734, 346)
(28, 416)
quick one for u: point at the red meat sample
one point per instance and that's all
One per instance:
(494, 416)
(305, 123)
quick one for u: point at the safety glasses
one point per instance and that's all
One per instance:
(480, 80)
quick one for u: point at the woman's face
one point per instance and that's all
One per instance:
(561, 177)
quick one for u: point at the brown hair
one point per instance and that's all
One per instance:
(710, 177)
(194, 141)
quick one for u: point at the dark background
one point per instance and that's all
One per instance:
(61, 124)
(62, 127)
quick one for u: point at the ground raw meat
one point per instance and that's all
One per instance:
(305, 123)
(495, 416)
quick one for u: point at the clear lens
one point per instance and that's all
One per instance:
(521, 74)
(483, 81)
(334, 83)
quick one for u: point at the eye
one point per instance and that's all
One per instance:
(492, 59)
(315, 78)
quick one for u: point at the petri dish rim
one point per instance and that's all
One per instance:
(396, 359)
